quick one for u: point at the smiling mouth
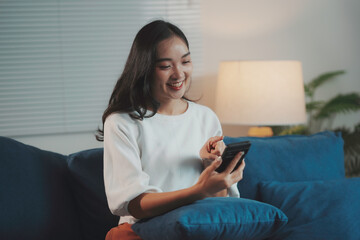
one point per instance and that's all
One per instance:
(176, 85)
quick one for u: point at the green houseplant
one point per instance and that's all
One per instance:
(321, 115)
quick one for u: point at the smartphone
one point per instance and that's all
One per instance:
(230, 152)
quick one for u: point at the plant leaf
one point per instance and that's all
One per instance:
(351, 150)
(308, 91)
(314, 105)
(320, 80)
(340, 104)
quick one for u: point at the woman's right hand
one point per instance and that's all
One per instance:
(211, 182)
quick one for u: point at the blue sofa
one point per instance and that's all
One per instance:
(294, 187)
(46, 195)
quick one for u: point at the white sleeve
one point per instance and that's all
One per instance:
(123, 176)
(217, 126)
(234, 191)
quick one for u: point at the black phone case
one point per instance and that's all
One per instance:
(230, 152)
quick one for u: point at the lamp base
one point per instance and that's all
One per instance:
(260, 132)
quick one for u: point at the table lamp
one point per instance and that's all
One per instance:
(260, 93)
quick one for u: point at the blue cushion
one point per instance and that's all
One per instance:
(87, 182)
(317, 210)
(291, 158)
(214, 218)
(35, 198)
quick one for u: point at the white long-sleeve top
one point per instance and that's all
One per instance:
(157, 154)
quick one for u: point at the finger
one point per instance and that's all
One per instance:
(209, 144)
(233, 163)
(215, 139)
(213, 156)
(237, 175)
(214, 165)
(241, 166)
(221, 147)
(217, 144)
(216, 152)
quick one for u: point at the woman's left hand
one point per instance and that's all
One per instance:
(213, 148)
(218, 148)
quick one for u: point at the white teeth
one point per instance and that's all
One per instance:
(176, 84)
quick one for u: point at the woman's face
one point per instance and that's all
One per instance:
(173, 70)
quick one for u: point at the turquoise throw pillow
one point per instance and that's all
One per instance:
(316, 210)
(291, 158)
(214, 218)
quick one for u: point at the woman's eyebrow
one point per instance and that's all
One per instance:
(186, 54)
(170, 59)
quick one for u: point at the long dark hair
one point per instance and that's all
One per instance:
(132, 92)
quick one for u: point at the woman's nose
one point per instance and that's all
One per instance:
(178, 73)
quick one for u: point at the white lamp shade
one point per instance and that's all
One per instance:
(260, 93)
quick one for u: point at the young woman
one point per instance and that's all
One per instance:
(155, 138)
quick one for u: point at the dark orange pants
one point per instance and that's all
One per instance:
(122, 232)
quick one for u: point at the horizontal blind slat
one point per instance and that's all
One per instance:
(59, 60)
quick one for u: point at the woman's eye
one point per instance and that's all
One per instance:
(164, 67)
(185, 62)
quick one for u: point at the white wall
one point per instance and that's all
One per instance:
(322, 34)
(62, 143)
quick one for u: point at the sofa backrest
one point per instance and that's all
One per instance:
(291, 158)
(35, 198)
(87, 183)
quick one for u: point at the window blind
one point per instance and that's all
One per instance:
(59, 59)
